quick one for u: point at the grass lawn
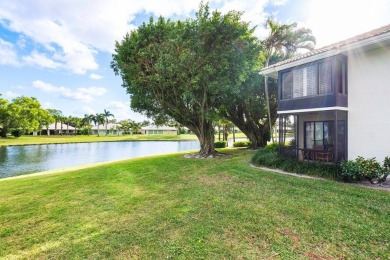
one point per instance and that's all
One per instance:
(29, 140)
(169, 206)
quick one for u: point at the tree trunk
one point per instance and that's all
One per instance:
(256, 133)
(225, 133)
(205, 134)
(267, 98)
(4, 131)
(258, 139)
(234, 135)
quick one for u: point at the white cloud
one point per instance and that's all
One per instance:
(41, 60)
(253, 12)
(335, 20)
(121, 110)
(80, 112)
(278, 2)
(8, 55)
(73, 32)
(11, 94)
(82, 94)
(94, 91)
(18, 87)
(47, 105)
(95, 76)
(22, 42)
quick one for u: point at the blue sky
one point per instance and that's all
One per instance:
(59, 51)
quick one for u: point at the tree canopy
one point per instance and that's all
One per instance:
(184, 70)
(21, 113)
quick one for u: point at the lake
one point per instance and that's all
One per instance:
(19, 160)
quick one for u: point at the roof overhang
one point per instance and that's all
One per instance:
(363, 45)
(297, 111)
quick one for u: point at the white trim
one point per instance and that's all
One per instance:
(312, 110)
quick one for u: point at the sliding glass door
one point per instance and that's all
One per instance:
(319, 133)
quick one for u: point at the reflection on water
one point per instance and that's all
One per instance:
(18, 160)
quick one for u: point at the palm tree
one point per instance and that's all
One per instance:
(76, 121)
(56, 114)
(97, 120)
(284, 40)
(68, 121)
(62, 120)
(107, 114)
(86, 121)
(136, 127)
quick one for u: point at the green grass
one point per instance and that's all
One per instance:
(172, 207)
(31, 140)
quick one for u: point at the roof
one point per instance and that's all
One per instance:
(64, 126)
(162, 127)
(103, 126)
(357, 41)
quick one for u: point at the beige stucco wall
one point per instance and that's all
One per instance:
(369, 103)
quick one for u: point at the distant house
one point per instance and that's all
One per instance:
(152, 129)
(55, 129)
(112, 128)
(339, 97)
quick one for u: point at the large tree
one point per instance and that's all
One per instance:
(254, 109)
(183, 69)
(21, 113)
(248, 109)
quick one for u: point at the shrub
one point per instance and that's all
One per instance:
(220, 144)
(17, 132)
(350, 171)
(371, 169)
(272, 147)
(268, 157)
(242, 144)
(385, 169)
(361, 168)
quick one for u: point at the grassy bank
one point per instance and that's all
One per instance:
(30, 140)
(169, 206)
(57, 139)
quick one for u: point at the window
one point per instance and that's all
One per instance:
(325, 78)
(305, 81)
(287, 85)
(319, 133)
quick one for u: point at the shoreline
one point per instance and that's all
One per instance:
(87, 166)
(103, 141)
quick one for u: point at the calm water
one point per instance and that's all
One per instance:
(18, 160)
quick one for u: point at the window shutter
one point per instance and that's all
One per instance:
(298, 82)
(312, 80)
(325, 78)
(287, 85)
